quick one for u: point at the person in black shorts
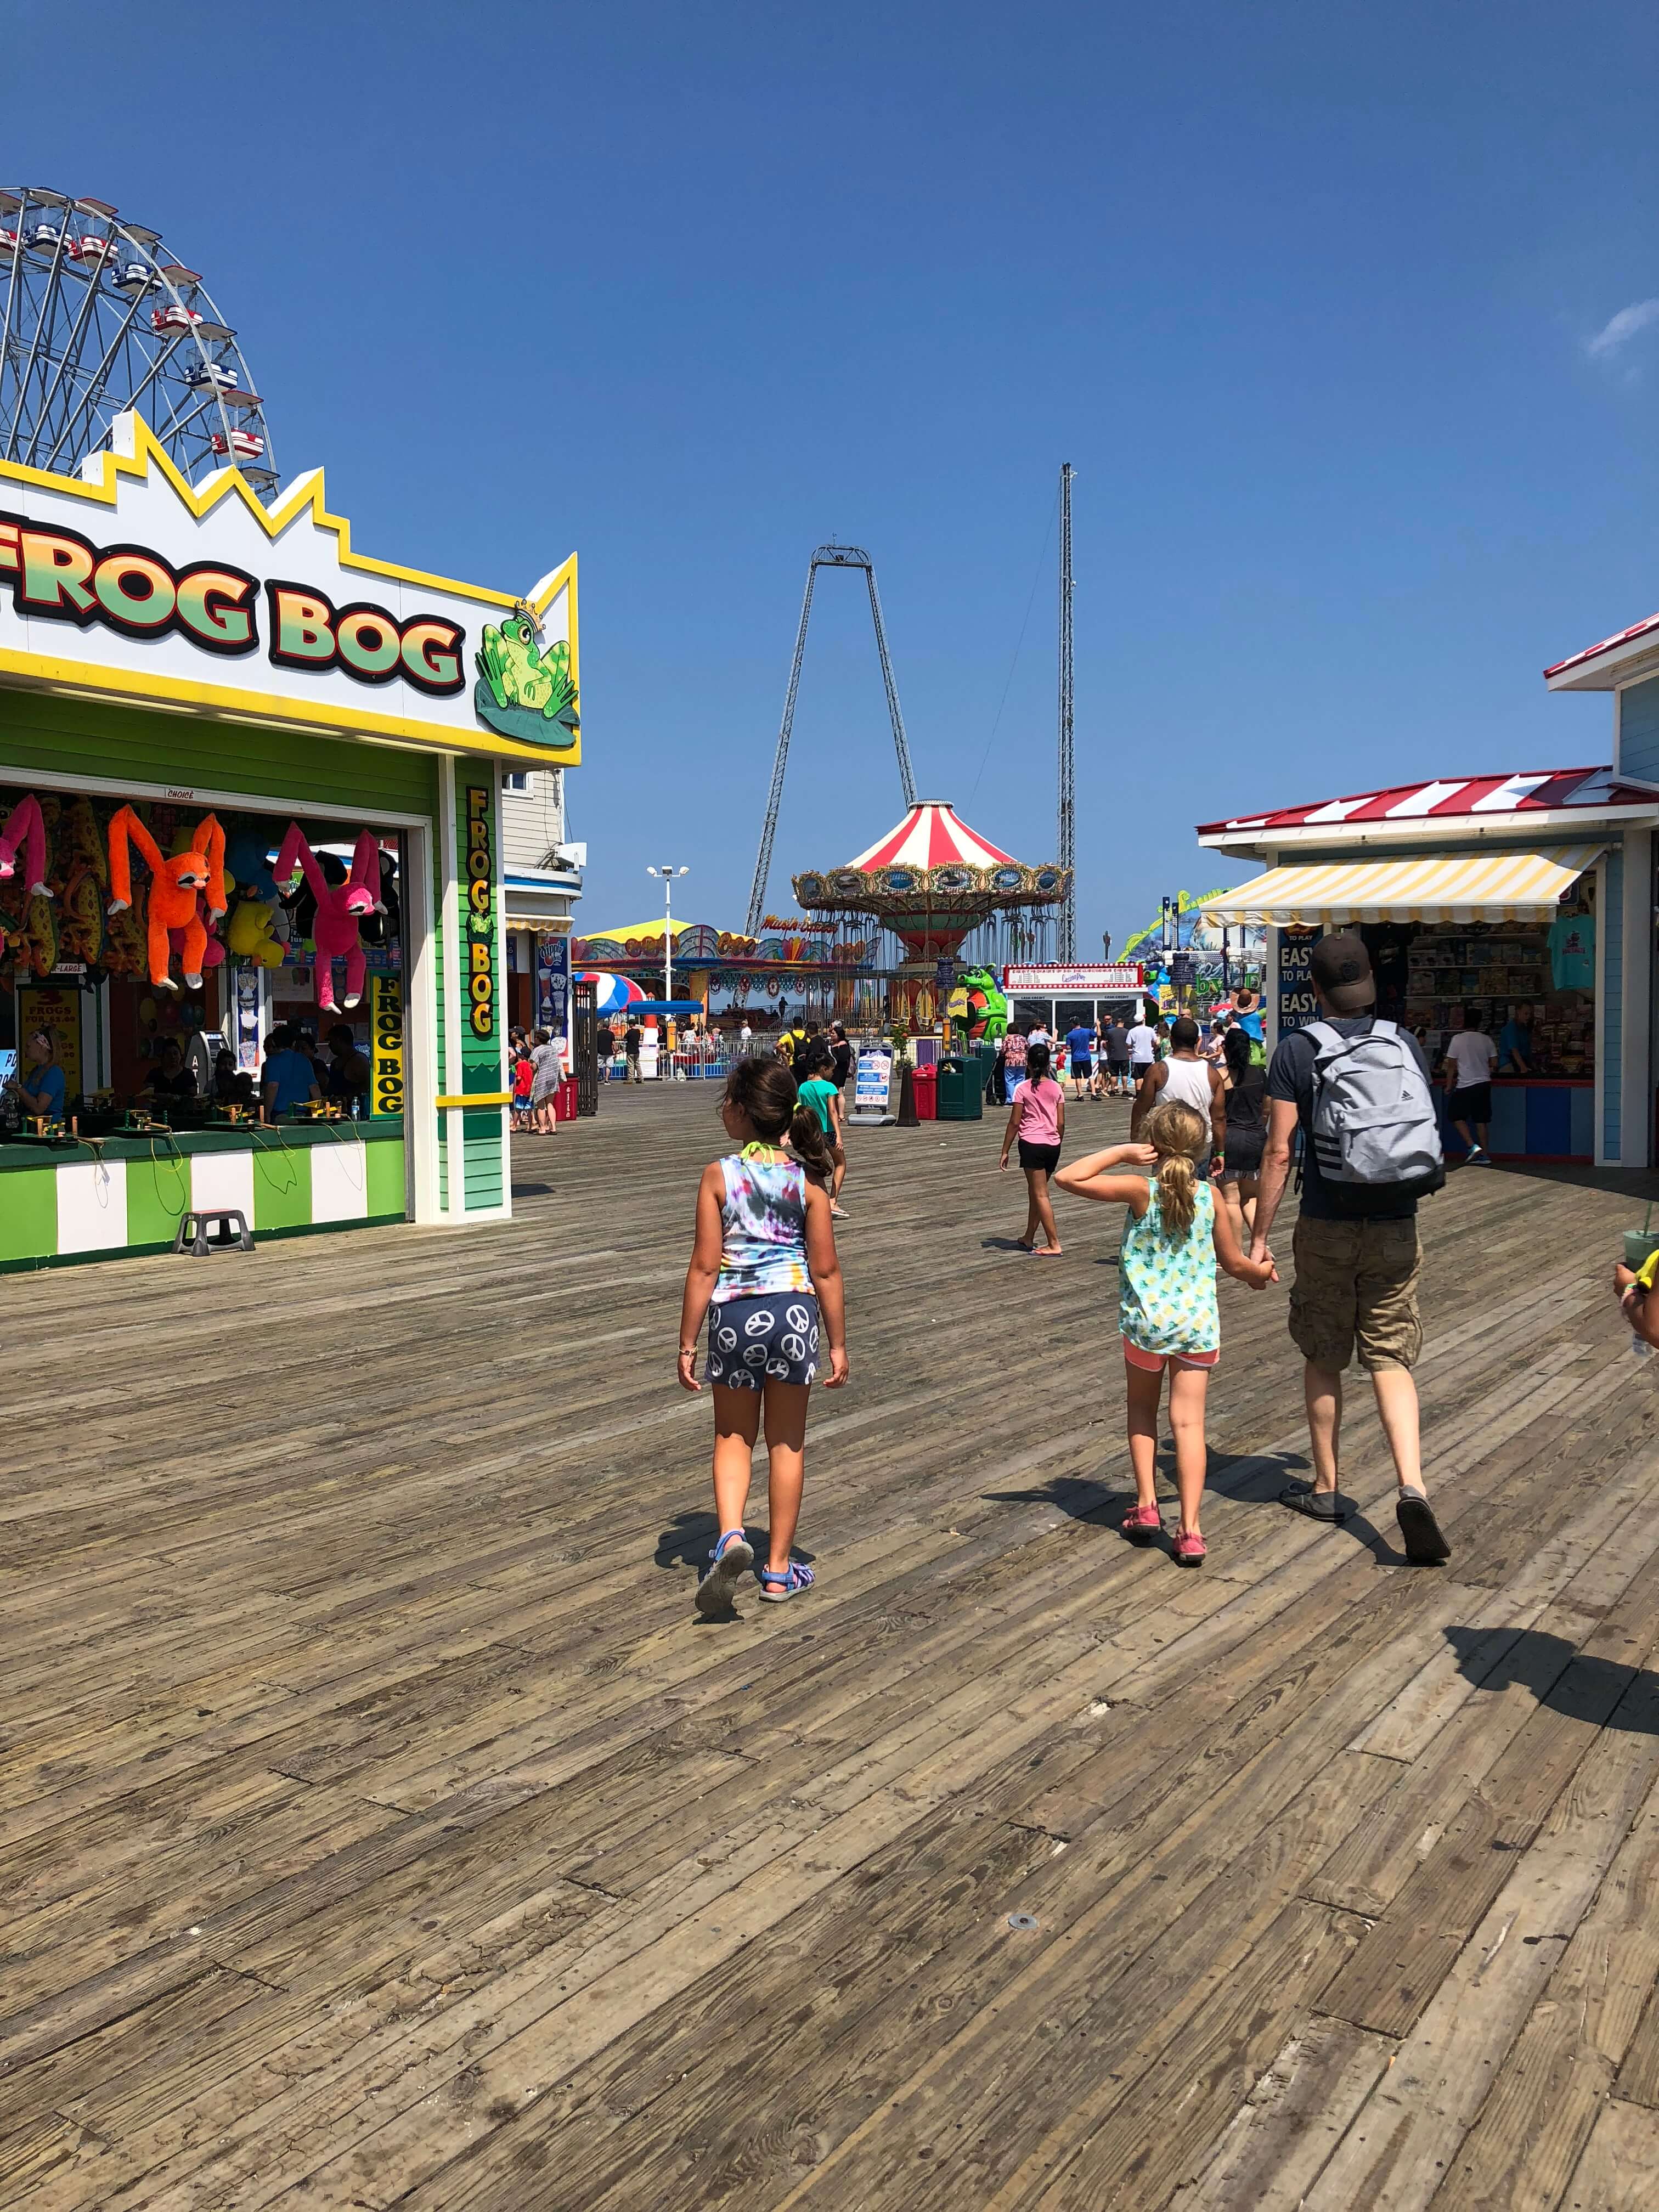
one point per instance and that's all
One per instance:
(1037, 1118)
(1246, 1103)
(1116, 1042)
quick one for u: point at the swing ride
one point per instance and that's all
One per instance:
(930, 884)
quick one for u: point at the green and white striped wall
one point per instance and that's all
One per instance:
(127, 1194)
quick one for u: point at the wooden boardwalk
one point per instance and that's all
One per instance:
(379, 1829)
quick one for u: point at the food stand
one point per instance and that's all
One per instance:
(1490, 892)
(250, 776)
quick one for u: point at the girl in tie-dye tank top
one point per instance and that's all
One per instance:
(764, 1274)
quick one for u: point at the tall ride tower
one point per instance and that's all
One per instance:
(1066, 948)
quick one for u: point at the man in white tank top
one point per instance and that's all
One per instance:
(1186, 1077)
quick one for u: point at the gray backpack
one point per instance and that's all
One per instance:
(1373, 1117)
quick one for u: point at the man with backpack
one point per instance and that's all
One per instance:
(1359, 1090)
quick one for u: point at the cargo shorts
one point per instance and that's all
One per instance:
(1356, 1282)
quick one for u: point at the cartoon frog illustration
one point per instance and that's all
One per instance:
(522, 688)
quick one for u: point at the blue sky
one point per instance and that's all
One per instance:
(1309, 296)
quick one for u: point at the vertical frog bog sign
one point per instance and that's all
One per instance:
(479, 892)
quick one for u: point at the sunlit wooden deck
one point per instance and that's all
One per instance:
(379, 1828)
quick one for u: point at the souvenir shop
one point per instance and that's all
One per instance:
(1522, 905)
(250, 814)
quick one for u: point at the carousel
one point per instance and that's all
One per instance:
(946, 897)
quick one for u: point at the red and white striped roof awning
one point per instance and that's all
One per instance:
(1481, 799)
(929, 836)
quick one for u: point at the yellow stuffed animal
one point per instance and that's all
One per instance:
(249, 936)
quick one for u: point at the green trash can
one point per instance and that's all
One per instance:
(961, 1088)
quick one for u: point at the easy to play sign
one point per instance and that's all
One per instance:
(1297, 1005)
(128, 582)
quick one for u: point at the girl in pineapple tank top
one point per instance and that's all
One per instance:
(1167, 1310)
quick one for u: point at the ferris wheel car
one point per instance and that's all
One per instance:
(174, 318)
(136, 277)
(211, 376)
(8, 241)
(44, 237)
(92, 246)
(243, 443)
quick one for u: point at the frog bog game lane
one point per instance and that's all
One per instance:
(216, 647)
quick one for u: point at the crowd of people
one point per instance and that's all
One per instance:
(536, 1065)
(1201, 1178)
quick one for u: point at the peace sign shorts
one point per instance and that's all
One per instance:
(772, 1337)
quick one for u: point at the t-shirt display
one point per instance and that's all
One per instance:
(1572, 952)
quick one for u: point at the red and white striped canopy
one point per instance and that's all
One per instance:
(929, 836)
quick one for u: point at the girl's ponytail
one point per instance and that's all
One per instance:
(1177, 1180)
(1176, 1134)
(810, 1144)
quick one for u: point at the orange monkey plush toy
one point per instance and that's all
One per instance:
(175, 919)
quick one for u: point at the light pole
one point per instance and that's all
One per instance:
(668, 875)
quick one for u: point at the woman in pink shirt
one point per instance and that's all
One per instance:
(1036, 1116)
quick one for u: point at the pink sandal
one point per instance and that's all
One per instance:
(1188, 1550)
(1141, 1524)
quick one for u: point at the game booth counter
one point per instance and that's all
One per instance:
(1499, 894)
(249, 776)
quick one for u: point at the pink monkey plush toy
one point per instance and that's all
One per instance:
(339, 908)
(26, 823)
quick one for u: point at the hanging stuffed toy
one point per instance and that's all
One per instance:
(339, 908)
(250, 936)
(257, 929)
(26, 826)
(186, 894)
(384, 927)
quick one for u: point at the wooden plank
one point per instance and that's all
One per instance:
(1549, 2091)
(1619, 2170)
(1405, 2136)
(1271, 2152)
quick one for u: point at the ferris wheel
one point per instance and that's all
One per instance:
(94, 319)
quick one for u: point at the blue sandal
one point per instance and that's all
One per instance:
(730, 1559)
(779, 1585)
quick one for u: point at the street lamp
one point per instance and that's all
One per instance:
(668, 875)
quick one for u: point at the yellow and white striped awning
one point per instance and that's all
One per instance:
(1450, 887)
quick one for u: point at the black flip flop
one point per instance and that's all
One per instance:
(1425, 1544)
(1318, 1504)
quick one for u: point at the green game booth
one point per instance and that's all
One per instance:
(251, 777)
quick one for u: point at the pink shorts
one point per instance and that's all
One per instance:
(1154, 1363)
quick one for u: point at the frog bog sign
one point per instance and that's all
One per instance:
(130, 581)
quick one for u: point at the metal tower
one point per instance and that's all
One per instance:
(1067, 852)
(826, 556)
